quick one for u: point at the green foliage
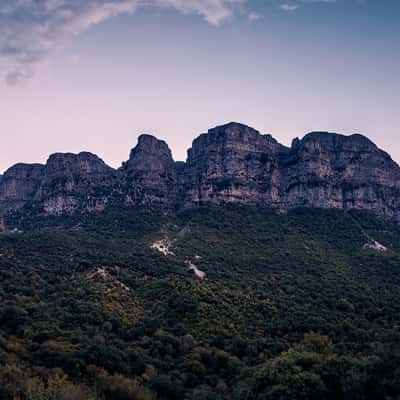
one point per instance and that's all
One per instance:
(312, 370)
(292, 306)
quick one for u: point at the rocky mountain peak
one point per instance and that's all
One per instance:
(333, 142)
(230, 137)
(329, 170)
(150, 153)
(20, 184)
(24, 171)
(150, 174)
(83, 163)
(151, 144)
(231, 163)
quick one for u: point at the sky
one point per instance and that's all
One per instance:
(91, 75)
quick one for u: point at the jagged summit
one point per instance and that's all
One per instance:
(148, 148)
(231, 163)
(232, 135)
(336, 139)
(151, 144)
(83, 162)
(149, 176)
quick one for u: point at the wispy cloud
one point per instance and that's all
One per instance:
(30, 30)
(289, 7)
(296, 4)
(318, 1)
(253, 16)
(213, 11)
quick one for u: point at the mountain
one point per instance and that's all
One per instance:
(136, 284)
(232, 163)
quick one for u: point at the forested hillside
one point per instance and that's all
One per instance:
(209, 303)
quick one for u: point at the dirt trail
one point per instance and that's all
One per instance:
(164, 247)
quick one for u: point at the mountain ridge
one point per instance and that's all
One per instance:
(231, 163)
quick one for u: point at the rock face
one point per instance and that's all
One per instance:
(72, 181)
(328, 170)
(150, 174)
(66, 183)
(232, 163)
(19, 185)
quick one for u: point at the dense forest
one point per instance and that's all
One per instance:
(207, 304)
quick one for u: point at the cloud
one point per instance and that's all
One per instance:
(213, 11)
(289, 7)
(318, 1)
(294, 6)
(30, 30)
(253, 16)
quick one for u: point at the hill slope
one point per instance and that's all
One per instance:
(208, 303)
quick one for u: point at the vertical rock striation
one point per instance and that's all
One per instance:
(150, 174)
(19, 185)
(75, 181)
(328, 170)
(232, 163)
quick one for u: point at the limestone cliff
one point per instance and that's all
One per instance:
(150, 175)
(328, 170)
(232, 163)
(19, 185)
